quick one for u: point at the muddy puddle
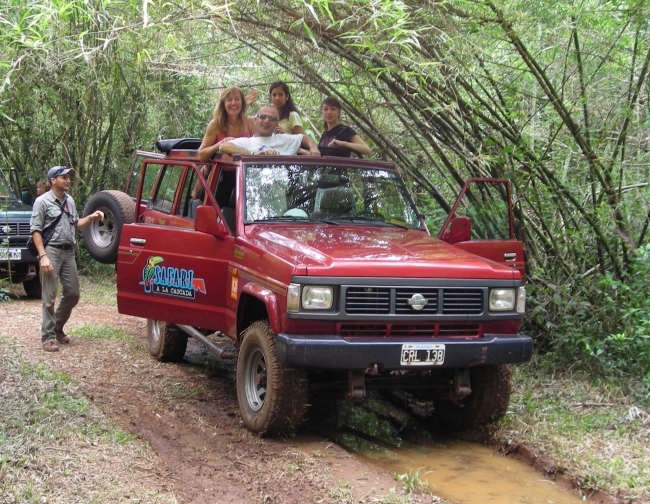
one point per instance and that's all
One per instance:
(386, 434)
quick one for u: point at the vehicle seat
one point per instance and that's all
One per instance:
(229, 211)
(334, 201)
(194, 204)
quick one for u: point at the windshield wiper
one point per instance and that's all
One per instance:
(282, 218)
(364, 218)
(292, 218)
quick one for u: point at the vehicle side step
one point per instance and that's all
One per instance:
(215, 349)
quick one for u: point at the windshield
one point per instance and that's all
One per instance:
(5, 190)
(323, 193)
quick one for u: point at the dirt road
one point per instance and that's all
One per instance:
(188, 415)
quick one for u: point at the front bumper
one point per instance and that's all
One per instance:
(335, 352)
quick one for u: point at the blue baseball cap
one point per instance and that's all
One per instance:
(56, 171)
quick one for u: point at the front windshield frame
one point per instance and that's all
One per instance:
(6, 193)
(333, 193)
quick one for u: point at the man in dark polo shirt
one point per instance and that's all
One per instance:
(57, 259)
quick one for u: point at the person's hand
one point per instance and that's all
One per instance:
(251, 96)
(46, 265)
(313, 151)
(336, 143)
(303, 152)
(278, 130)
(267, 152)
(97, 215)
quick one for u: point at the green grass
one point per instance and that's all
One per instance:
(588, 427)
(101, 332)
(51, 438)
(99, 289)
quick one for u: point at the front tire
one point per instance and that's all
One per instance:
(102, 238)
(166, 342)
(272, 399)
(487, 402)
(33, 288)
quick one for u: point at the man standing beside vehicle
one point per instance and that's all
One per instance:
(57, 256)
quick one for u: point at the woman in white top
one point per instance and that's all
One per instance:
(289, 119)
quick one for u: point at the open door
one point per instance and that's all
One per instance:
(173, 261)
(482, 222)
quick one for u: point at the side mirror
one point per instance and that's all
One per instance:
(205, 221)
(460, 230)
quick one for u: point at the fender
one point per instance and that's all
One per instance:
(269, 299)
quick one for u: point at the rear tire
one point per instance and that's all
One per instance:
(487, 402)
(166, 342)
(33, 288)
(102, 238)
(272, 399)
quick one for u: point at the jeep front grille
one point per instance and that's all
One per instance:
(410, 330)
(400, 301)
(367, 300)
(15, 229)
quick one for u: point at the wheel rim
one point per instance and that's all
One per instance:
(255, 379)
(103, 232)
(153, 330)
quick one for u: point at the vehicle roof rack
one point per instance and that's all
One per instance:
(166, 145)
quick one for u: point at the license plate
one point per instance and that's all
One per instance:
(423, 354)
(9, 254)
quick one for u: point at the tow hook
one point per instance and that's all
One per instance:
(356, 386)
(462, 384)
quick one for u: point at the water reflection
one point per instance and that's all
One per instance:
(458, 471)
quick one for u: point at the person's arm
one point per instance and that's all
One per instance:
(252, 128)
(43, 260)
(309, 144)
(208, 147)
(231, 148)
(84, 221)
(355, 144)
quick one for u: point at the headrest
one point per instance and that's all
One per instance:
(165, 146)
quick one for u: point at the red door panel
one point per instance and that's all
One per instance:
(481, 222)
(174, 275)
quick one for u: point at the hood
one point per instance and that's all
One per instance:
(14, 209)
(358, 251)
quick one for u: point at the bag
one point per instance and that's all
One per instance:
(46, 235)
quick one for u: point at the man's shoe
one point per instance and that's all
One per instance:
(62, 337)
(50, 346)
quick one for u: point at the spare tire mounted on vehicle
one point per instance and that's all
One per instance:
(102, 238)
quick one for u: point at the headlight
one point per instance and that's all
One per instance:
(293, 298)
(521, 299)
(316, 297)
(502, 299)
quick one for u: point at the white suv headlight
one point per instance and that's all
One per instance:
(316, 297)
(502, 299)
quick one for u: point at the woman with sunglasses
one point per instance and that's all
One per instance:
(339, 140)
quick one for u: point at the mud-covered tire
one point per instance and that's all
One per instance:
(102, 238)
(167, 343)
(33, 288)
(272, 399)
(487, 402)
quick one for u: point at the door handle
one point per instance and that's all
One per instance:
(510, 256)
(138, 241)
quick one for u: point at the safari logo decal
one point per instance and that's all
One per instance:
(170, 281)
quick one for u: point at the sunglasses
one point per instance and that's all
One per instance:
(264, 117)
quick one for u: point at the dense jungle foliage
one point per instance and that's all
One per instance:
(552, 95)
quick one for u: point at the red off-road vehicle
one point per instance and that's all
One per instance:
(323, 274)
